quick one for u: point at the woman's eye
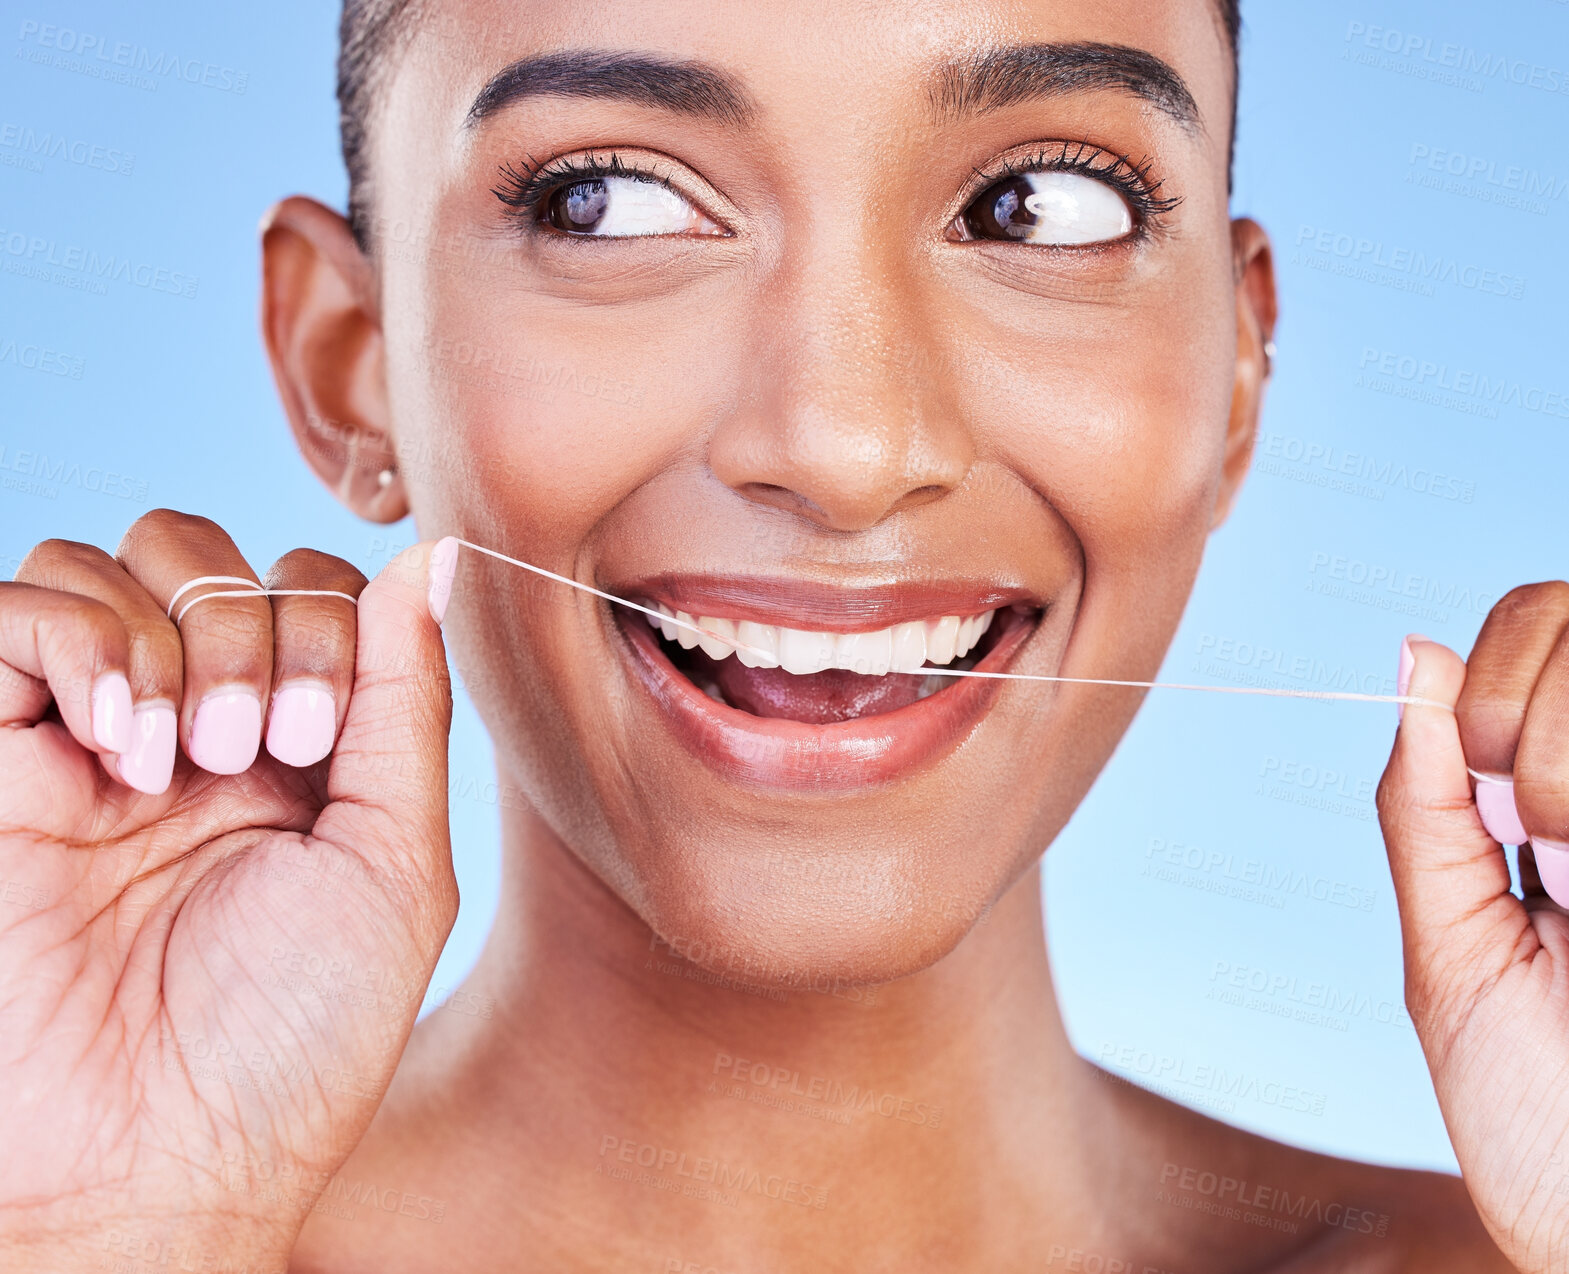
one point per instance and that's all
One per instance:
(1054, 208)
(622, 207)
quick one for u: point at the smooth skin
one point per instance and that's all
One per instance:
(206, 1005)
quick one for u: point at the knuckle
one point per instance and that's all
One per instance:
(162, 526)
(89, 617)
(1489, 720)
(1385, 798)
(232, 622)
(1549, 599)
(313, 567)
(1422, 1001)
(315, 638)
(53, 558)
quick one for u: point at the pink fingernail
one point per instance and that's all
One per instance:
(112, 712)
(1403, 676)
(1495, 802)
(303, 724)
(1552, 865)
(1408, 662)
(443, 566)
(147, 763)
(226, 732)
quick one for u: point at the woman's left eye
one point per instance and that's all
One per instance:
(1061, 209)
(622, 208)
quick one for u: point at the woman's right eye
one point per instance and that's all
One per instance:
(1053, 209)
(617, 207)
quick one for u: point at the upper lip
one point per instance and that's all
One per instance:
(816, 607)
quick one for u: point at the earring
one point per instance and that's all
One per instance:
(1269, 357)
(385, 477)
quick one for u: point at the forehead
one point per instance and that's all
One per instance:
(821, 55)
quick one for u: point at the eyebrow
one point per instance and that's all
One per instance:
(683, 86)
(987, 81)
(1022, 73)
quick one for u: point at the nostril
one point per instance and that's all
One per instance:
(781, 496)
(766, 491)
(922, 494)
(775, 496)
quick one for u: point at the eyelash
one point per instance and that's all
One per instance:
(522, 187)
(1134, 180)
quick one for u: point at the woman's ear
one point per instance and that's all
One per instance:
(321, 321)
(1253, 268)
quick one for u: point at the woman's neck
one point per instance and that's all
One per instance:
(782, 1119)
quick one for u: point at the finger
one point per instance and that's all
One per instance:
(69, 650)
(312, 654)
(388, 781)
(1510, 653)
(1530, 878)
(1541, 773)
(1451, 878)
(155, 658)
(227, 640)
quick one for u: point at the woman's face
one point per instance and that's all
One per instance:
(841, 318)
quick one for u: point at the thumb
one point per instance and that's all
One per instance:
(1451, 878)
(388, 779)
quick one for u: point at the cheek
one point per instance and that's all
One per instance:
(529, 418)
(1118, 419)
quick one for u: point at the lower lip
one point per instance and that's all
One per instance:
(778, 753)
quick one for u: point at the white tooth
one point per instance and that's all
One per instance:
(762, 637)
(685, 636)
(665, 626)
(804, 653)
(722, 643)
(986, 622)
(652, 617)
(866, 653)
(909, 646)
(969, 634)
(941, 637)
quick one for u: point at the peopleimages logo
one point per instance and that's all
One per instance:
(1379, 472)
(1410, 268)
(1441, 60)
(40, 358)
(37, 257)
(34, 145)
(122, 61)
(1483, 170)
(47, 475)
(1438, 378)
(1376, 578)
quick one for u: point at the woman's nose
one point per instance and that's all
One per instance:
(850, 413)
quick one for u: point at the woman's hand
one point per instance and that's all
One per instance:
(1487, 975)
(207, 976)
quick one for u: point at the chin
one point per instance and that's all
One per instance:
(819, 916)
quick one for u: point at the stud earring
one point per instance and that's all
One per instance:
(385, 477)
(1269, 357)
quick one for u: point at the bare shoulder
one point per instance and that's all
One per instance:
(1433, 1226)
(1236, 1200)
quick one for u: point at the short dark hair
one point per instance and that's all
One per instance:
(372, 33)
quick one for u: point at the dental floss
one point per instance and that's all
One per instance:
(252, 589)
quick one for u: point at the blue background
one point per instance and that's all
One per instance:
(1220, 909)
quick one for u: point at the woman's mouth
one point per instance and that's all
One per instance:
(770, 670)
(820, 707)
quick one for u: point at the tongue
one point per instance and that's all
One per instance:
(819, 699)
